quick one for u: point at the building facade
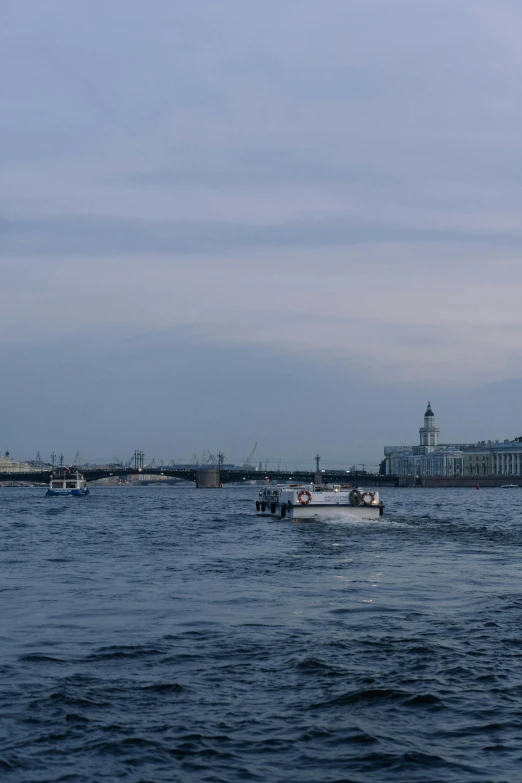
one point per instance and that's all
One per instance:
(431, 458)
(8, 465)
(443, 461)
(494, 458)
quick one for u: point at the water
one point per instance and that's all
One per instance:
(168, 634)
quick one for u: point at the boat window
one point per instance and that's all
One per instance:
(71, 484)
(57, 484)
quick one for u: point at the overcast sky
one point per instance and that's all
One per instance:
(290, 222)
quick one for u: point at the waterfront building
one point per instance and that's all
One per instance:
(447, 460)
(478, 461)
(432, 458)
(8, 465)
(494, 458)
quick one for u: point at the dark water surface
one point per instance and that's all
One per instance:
(169, 634)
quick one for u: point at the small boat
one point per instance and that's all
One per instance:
(66, 483)
(318, 501)
(508, 486)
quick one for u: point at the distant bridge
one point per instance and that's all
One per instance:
(210, 476)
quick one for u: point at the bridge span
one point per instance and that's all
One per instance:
(211, 477)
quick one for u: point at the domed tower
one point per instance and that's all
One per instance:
(429, 434)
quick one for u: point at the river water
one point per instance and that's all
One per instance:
(168, 634)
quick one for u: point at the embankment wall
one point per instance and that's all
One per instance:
(483, 481)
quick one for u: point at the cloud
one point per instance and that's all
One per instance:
(452, 332)
(333, 182)
(173, 393)
(106, 236)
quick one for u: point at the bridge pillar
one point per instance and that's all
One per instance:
(208, 478)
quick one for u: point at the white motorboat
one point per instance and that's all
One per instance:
(508, 486)
(318, 501)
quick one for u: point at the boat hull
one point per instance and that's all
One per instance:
(331, 511)
(317, 511)
(64, 492)
(319, 501)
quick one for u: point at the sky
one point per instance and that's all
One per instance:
(231, 222)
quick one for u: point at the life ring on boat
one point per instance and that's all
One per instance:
(355, 497)
(302, 494)
(367, 498)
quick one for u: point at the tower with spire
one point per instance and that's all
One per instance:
(429, 434)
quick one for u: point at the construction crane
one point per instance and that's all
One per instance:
(248, 462)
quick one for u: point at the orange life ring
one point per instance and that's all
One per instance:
(365, 496)
(302, 494)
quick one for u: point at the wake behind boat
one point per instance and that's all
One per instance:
(318, 501)
(67, 483)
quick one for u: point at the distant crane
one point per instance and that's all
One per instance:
(248, 462)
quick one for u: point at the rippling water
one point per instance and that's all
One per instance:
(169, 634)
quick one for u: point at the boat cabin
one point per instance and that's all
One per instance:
(64, 484)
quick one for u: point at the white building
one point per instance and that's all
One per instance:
(429, 458)
(8, 465)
